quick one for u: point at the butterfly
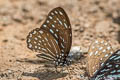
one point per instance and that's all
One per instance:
(53, 39)
(103, 62)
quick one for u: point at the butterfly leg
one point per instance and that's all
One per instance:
(56, 69)
(69, 72)
(62, 69)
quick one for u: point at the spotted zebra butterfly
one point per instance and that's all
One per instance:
(103, 62)
(53, 39)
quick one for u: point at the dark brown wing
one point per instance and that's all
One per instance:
(58, 25)
(39, 40)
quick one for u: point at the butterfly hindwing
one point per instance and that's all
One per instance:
(40, 40)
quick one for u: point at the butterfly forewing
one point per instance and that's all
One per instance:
(110, 70)
(98, 53)
(58, 25)
(40, 40)
(54, 38)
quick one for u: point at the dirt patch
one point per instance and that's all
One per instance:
(90, 19)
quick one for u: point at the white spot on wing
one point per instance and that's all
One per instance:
(44, 49)
(38, 47)
(51, 31)
(35, 46)
(95, 71)
(34, 42)
(65, 25)
(108, 48)
(56, 36)
(36, 38)
(111, 52)
(102, 64)
(104, 50)
(30, 35)
(46, 39)
(56, 12)
(62, 54)
(62, 45)
(41, 32)
(56, 41)
(50, 17)
(53, 25)
(55, 21)
(52, 13)
(43, 40)
(40, 41)
(30, 46)
(34, 32)
(44, 26)
(48, 21)
(59, 21)
(62, 50)
(100, 48)
(96, 52)
(106, 55)
(60, 13)
(29, 40)
(39, 36)
(57, 30)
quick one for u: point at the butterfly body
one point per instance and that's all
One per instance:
(62, 61)
(53, 39)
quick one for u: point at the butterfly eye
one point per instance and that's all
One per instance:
(53, 39)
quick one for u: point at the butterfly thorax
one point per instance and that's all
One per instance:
(62, 60)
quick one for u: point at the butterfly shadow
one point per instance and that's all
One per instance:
(118, 37)
(32, 61)
(47, 64)
(46, 75)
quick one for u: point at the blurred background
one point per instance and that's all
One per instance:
(90, 19)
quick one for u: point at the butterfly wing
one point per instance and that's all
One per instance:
(99, 52)
(110, 69)
(39, 40)
(58, 25)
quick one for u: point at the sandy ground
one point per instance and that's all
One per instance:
(90, 19)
